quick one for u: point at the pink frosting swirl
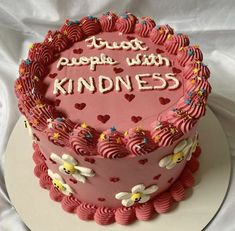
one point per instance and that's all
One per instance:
(125, 215)
(177, 191)
(45, 181)
(55, 194)
(41, 53)
(40, 169)
(160, 33)
(173, 43)
(194, 104)
(144, 26)
(139, 142)
(107, 21)
(187, 178)
(126, 23)
(162, 203)
(196, 70)
(164, 133)
(111, 145)
(83, 140)
(58, 131)
(25, 85)
(189, 54)
(72, 30)
(90, 25)
(181, 119)
(86, 211)
(56, 40)
(144, 211)
(104, 216)
(38, 157)
(193, 164)
(32, 68)
(70, 204)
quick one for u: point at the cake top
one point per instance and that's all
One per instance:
(113, 86)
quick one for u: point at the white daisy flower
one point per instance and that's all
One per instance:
(181, 151)
(138, 194)
(69, 166)
(193, 147)
(59, 183)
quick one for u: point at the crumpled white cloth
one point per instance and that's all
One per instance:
(209, 23)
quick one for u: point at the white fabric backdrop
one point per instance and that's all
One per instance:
(209, 23)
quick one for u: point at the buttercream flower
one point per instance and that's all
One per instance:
(193, 147)
(138, 194)
(181, 152)
(59, 183)
(69, 166)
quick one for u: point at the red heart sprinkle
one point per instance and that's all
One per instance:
(164, 101)
(117, 70)
(129, 97)
(176, 70)
(73, 180)
(101, 199)
(52, 161)
(90, 160)
(103, 118)
(52, 75)
(143, 161)
(136, 119)
(114, 179)
(169, 181)
(80, 106)
(158, 51)
(57, 102)
(130, 37)
(157, 177)
(77, 51)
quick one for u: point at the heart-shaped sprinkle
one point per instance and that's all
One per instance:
(130, 37)
(52, 75)
(52, 161)
(35, 137)
(176, 70)
(114, 179)
(103, 118)
(101, 199)
(164, 101)
(136, 119)
(77, 51)
(170, 180)
(158, 51)
(57, 102)
(117, 70)
(129, 97)
(157, 177)
(73, 181)
(80, 106)
(90, 160)
(143, 161)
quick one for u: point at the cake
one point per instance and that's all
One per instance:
(112, 105)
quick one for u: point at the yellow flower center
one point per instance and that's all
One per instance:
(69, 168)
(177, 157)
(136, 197)
(58, 185)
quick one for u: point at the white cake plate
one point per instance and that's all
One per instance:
(39, 212)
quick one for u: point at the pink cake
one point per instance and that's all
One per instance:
(112, 104)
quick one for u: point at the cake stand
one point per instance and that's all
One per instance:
(203, 201)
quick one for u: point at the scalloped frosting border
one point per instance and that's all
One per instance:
(162, 203)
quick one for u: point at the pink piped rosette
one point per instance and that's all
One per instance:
(144, 26)
(107, 21)
(160, 33)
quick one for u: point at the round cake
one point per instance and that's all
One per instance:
(112, 105)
